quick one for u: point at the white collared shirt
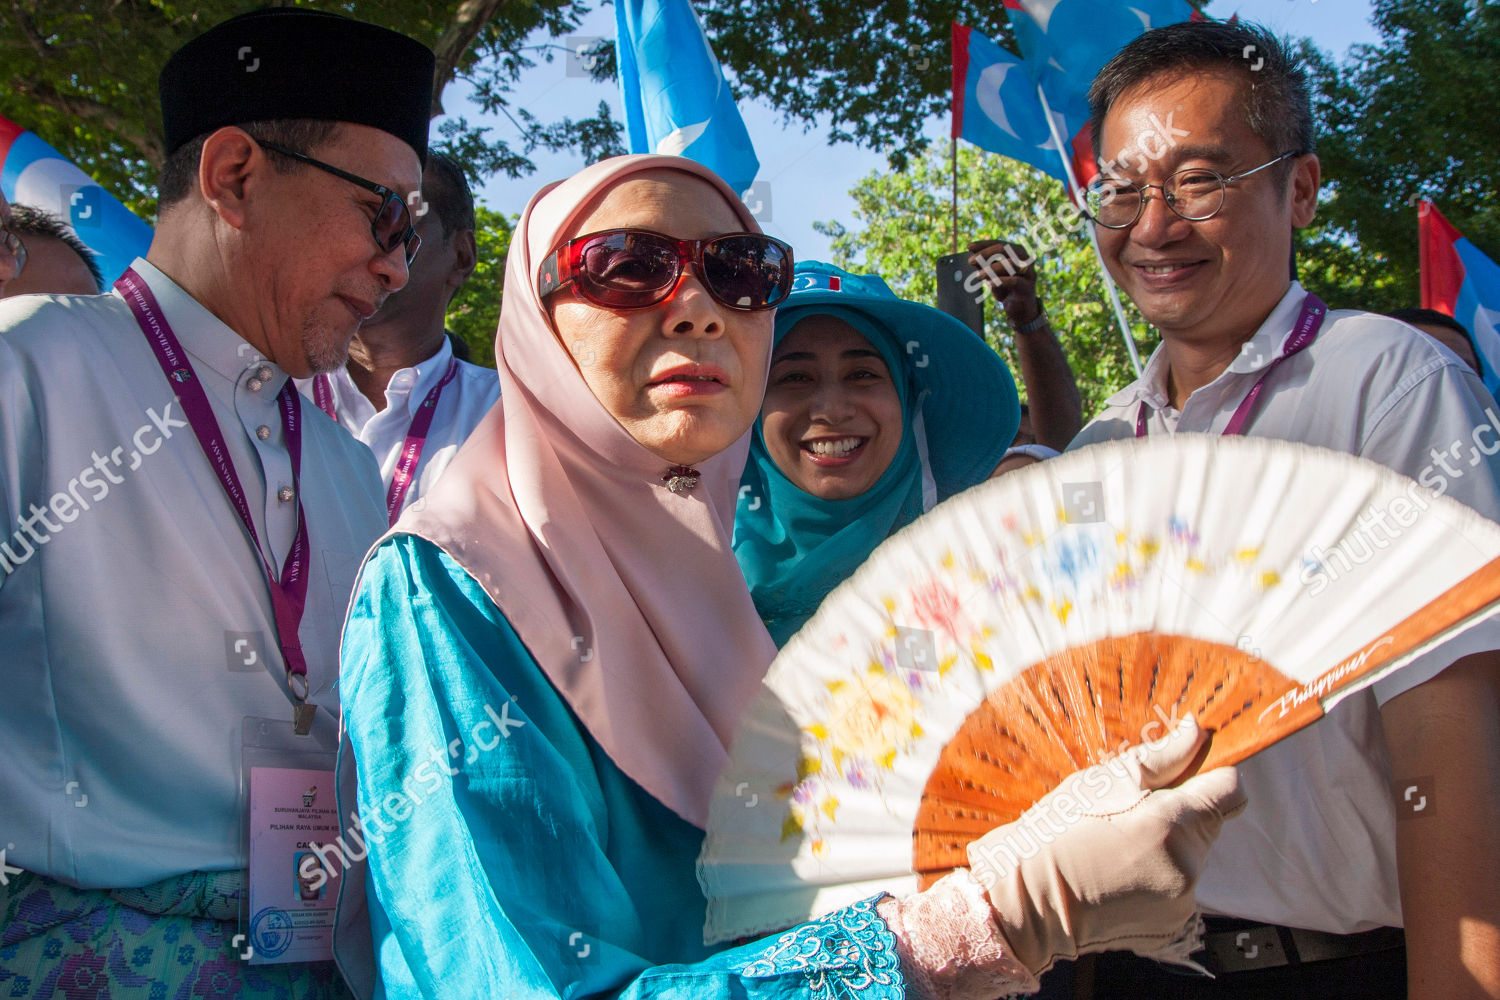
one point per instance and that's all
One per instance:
(136, 628)
(1317, 846)
(462, 404)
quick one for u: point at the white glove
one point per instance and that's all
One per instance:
(1108, 860)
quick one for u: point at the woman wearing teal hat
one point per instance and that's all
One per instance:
(876, 409)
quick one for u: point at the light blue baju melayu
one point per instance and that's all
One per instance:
(517, 860)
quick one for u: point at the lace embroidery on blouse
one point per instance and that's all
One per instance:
(851, 952)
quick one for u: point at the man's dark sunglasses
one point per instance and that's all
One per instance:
(637, 268)
(392, 226)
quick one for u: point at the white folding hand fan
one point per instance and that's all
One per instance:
(1040, 622)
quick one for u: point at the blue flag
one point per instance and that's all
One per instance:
(995, 104)
(33, 173)
(676, 99)
(1067, 42)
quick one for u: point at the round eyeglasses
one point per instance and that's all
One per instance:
(1194, 193)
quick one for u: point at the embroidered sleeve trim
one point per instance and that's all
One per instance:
(851, 952)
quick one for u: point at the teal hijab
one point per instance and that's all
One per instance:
(959, 412)
(794, 547)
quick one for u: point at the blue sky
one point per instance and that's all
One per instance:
(807, 178)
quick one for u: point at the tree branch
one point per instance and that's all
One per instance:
(150, 146)
(468, 21)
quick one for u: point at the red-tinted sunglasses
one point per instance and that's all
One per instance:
(636, 268)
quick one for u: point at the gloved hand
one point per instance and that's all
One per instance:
(1108, 860)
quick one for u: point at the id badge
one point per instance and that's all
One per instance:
(288, 786)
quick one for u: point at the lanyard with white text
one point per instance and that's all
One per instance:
(289, 593)
(411, 448)
(323, 396)
(1309, 322)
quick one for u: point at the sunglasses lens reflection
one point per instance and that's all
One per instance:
(625, 269)
(392, 228)
(746, 272)
(629, 269)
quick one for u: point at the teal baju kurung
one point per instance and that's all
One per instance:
(508, 855)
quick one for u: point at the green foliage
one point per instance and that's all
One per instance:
(907, 225)
(1345, 275)
(1414, 115)
(83, 77)
(475, 310)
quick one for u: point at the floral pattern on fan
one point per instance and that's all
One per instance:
(868, 721)
(1060, 571)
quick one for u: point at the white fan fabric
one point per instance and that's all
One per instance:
(1305, 558)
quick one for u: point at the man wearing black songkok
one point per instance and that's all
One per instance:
(159, 480)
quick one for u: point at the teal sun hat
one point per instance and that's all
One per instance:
(959, 413)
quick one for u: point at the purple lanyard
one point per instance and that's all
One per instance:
(411, 448)
(1309, 322)
(289, 594)
(323, 396)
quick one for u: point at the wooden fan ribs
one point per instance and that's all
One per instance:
(1083, 707)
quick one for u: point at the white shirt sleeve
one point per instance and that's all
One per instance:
(1441, 427)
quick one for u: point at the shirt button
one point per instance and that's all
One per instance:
(253, 385)
(285, 494)
(263, 432)
(263, 373)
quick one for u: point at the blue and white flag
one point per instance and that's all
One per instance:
(33, 173)
(676, 99)
(995, 104)
(1065, 43)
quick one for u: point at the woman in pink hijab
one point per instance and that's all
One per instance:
(545, 659)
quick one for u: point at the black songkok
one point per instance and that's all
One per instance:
(290, 62)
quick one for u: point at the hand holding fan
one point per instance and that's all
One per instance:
(1039, 623)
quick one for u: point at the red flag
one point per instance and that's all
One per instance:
(1085, 167)
(1442, 271)
(960, 74)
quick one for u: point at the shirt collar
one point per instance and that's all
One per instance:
(1268, 344)
(204, 336)
(1150, 388)
(416, 381)
(405, 390)
(1264, 347)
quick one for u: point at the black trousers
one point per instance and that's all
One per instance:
(1123, 976)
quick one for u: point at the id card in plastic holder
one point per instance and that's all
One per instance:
(287, 786)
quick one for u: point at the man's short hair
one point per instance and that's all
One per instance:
(27, 222)
(179, 174)
(445, 187)
(1278, 107)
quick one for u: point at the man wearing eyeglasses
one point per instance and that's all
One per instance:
(403, 392)
(179, 535)
(1305, 890)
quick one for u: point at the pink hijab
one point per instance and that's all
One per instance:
(628, 595)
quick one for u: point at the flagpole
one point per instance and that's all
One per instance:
(953, 156)
(1109, 282)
